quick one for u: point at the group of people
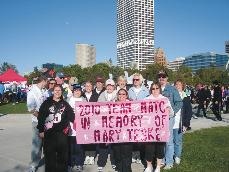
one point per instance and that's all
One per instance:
(53, 113)
(12, 92)
(215, 97)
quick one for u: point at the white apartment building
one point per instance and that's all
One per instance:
(85, 55)
(135, 33)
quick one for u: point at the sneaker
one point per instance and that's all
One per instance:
(91, 160)
(149, 169)
(79, 168)
(168, 167)
(32, 169)
(157, 169)
(138, 161)
(177, 160)
(100, 169)
(87, 160)
(134, 160)
(194, 116)
(113, 167)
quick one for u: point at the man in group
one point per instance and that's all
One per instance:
(217, 100)
(99, 88)
(176, 102)
(35, 98)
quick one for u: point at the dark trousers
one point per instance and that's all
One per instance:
(216, 110)
(90, 150)
(56, 152)
(76, 152)
(103, 151)
(123, 156)
(154, 150)
(201, 106)
(227, 104)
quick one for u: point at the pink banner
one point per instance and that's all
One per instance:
(114, 122)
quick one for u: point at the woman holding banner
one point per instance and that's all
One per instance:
(122, 151)
(155, 149)
(109, 95)
(76, 151)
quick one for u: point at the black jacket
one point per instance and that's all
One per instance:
(94, 97)
(54, 116)
(186, 112)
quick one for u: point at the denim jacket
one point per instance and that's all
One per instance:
(174, 97)
(141, 95)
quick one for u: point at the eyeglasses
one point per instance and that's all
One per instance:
(155, 88)
(136, 79)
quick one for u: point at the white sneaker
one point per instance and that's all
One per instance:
(100, 169)
(149, 169)
(91, 160)
(157, 170)
(87, 160)
(134, 160)
(177, 160)
(79, 168)
(138, 161)
(113, 166)
(168, 167)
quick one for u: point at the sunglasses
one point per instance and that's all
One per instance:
(155, 88)
(162, 76)
(136, 79)
(52, 83)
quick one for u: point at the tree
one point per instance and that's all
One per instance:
(5, 66)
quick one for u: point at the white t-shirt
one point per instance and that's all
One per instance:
(72, 103)
(178, 114)
(35, 98)
(88, 95)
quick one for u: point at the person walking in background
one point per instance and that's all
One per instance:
(217, 100)
(122, 151)
(54, 118)
(201, 97)
(176, 102)
(35, 98)
(76, 152)
(155, 149)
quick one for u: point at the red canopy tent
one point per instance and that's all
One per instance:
(10, 75)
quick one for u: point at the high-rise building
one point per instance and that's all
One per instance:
(227, 47)
(206, 60)
(176, 64)
(85, 55)
(160, 57)
(135, 33)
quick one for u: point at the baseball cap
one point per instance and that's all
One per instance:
(76, 86)
(110, 82)
(162, 73)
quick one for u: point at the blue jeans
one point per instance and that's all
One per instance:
(169, 148)
(177, 137)
(36, 146)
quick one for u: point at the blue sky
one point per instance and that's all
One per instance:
(33, 32)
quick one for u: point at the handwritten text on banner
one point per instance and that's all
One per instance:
(114, 122)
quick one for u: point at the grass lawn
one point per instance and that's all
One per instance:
(206, 150)
(19, 108)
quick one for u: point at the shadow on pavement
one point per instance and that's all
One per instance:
(18, 168)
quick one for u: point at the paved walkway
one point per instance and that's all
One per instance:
(15, 140)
